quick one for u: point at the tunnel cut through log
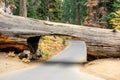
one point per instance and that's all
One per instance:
(100, 42)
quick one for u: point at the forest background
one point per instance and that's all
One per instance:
(94, 13)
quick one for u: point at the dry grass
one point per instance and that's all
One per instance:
(50, 45)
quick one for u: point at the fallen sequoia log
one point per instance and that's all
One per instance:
(100, 42)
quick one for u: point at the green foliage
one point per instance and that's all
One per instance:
(82, 10)
(114, 15)
(109, 6)
(110, 16)
(63, 41)
(70, 8)
(16, 11)
(66, 12)
(45, 53)
(70, 11)
(31, 9)
(39, 9)
(115, 21)
(116, 5)
(43, 38)
(53, 10)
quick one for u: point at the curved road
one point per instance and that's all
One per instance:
(64, 66)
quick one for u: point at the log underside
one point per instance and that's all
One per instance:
(100, 42)
(6, 47)
(20, 46)
(12, 44)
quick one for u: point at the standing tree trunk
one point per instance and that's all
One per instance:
(79, 14)
(23, 8)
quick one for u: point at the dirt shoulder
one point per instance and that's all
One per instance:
(108, 69)
(10, 64)
(50, 47)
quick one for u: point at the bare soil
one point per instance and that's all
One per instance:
(8, 64)
(12, 63)
(50, 47)
(108, 69)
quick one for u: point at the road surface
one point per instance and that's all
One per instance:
(64, 66)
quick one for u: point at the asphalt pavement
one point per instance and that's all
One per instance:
(64, 66)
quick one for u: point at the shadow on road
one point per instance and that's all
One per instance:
(65, 63)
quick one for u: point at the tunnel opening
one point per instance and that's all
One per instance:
(8, 49)
(33, 41)
(92, 57)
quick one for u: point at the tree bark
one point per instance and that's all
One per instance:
(23, 8)
(79, 18)
(100, 42)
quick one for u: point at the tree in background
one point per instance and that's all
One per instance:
(82, 14)
(114, 16)
(69, 11)
(74, 11)
(23, 8)
(97, 13)
(42, 9)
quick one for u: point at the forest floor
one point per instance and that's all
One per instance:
(108, 68)
(8, 64)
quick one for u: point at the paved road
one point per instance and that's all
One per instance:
(62, 67)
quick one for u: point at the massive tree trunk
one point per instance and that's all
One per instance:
(100, 42)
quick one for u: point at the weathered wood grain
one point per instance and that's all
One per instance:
(100, 42)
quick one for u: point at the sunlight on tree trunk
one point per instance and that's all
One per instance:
(23, 8)
(79, 14)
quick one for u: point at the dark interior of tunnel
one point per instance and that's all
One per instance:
(91, 57)
(33, 43)
(8, 49)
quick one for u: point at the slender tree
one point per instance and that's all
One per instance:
(79, 14)
(23, 8)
